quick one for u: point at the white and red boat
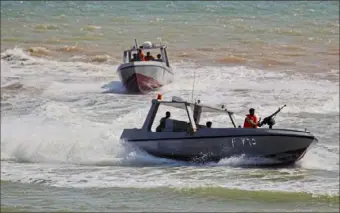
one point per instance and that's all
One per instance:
(143, 76)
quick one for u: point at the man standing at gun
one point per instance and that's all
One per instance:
(251, 120)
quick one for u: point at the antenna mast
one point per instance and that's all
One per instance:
(193, 87)
(160, 40)
(136, 43)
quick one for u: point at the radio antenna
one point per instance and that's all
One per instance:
(136, 43)
(160, 40)
(193, 87)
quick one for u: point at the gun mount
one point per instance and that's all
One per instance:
(270, 121)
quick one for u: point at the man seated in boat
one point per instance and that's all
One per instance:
(149, 57)
(171, 125)
(158, 57)
(207, 125)
(134, 58)
(162, 123)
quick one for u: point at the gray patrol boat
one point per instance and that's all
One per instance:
(190, 141)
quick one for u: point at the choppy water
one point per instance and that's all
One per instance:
(63, 108)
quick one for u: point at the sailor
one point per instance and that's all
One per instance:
(149, 57)
(141, 55)
(158, 57)
(208, 124)
(169, 125)
(135, 57)
(251, 120)
(163, 122)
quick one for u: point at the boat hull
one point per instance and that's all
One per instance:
(282, 147)
(142, 77)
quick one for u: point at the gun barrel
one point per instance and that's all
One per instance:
(277, 111)
(267, 119)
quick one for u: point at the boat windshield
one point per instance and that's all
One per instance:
(204, 117)
(178, 117)
(149, 55)
(217, 120)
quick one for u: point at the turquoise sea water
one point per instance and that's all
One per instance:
(267, 34)
(63, 107)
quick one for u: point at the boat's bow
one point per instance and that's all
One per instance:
(143, 76)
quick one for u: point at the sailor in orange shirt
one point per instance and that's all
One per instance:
(251, 121)
(141, 55)
(149, 57)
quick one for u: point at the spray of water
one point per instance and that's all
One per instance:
(75, 115)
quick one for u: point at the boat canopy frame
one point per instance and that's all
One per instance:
(193, 110)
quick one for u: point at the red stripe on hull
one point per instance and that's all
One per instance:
(139, 83)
